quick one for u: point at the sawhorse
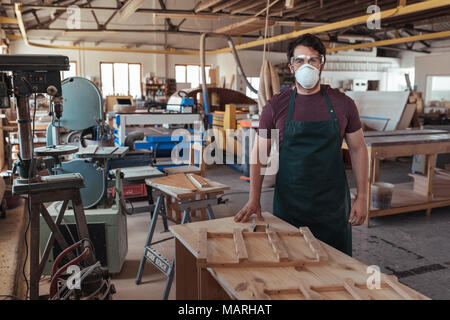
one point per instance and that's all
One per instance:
(186, 205)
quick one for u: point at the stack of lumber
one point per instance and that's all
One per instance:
(440, 187)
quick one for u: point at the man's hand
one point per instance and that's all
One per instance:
(359, 209)
(252, 206)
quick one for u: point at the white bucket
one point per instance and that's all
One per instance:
(381, 195)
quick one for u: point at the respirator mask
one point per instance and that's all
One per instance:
(308, 70)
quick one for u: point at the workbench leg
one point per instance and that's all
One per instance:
(149, 239)
(369, 186)
(430, 175)
(376, 169)
(34, 252)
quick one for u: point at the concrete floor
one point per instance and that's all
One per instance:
(412, 246)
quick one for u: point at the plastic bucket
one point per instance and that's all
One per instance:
(381, 195)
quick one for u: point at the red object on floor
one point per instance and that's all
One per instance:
(133, 191)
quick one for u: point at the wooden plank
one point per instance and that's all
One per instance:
(241, 250)
(309, 293)
(277, 246)
(314, 244)
(395, 285)
(129, 8)
(199, 181)
(176, 180)
(205, 4)
(355, 292)
(202, 245)
(225, 5)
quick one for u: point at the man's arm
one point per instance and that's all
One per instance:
(360, 166)
(253, 205)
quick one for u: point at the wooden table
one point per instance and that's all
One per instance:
(335, 278)
(400, 143)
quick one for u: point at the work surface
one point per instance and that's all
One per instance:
(332, 280)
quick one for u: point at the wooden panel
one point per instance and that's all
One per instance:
(277, 246)
(241, 250)
(309, 281)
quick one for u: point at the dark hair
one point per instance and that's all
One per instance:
(307, 40)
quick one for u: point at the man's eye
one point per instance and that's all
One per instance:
(299, 61)
(315, 60)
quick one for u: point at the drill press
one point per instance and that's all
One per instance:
(20, 77)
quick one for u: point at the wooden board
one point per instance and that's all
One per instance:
(311, 281)
(402, 132)
(407, 139)
(185, 191)
(102, 152)
(139, 173)
(179, 181)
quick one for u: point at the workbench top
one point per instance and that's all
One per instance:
(283, 282)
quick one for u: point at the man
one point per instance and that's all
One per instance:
(311, 187)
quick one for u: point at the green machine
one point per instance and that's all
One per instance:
(107, 226)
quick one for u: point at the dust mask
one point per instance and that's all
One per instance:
(307, 76)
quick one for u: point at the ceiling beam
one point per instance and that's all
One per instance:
(129, 8)
(205, 4)
(225, 5)
(398, 11)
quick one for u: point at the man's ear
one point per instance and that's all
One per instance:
(291, 68)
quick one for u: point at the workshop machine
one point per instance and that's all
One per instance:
(21, 77)
(82, 124)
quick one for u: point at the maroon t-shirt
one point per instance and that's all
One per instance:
(310, 108)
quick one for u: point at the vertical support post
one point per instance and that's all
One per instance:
(430, 175)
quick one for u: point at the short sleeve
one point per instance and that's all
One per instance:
(354, 122)
(266, 121)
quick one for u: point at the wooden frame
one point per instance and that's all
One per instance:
(341, 277)
(274, 240)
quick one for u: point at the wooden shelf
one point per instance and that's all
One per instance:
(404, 199)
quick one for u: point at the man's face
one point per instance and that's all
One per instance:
(302, 50)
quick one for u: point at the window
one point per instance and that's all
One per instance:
(438, 88)
(72, 72)
(122, 79)
(191, 73)
(254, 81)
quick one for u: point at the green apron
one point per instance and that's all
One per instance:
(311, 185)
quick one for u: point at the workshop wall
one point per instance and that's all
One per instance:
(430, 65)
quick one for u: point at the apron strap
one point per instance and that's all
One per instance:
(291, 105)
(328, 102)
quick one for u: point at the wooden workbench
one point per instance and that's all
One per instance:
(401, 143)
(196, 282)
